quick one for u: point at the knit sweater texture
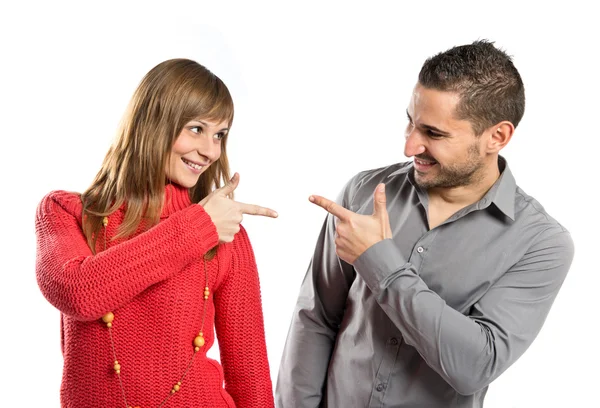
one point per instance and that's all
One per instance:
(153, 282)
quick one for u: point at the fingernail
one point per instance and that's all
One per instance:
(275, 214)
(311, 199)
(381, 188)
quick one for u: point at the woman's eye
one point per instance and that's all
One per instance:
(219, 136)
(196, 129)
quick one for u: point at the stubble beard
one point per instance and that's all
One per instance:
(457, 174)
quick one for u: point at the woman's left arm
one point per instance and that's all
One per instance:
(240, 330)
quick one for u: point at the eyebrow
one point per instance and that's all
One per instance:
(429, 127)
(206, 125)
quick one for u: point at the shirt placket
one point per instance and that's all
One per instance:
(393, 344)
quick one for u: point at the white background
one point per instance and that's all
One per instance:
(320, 90)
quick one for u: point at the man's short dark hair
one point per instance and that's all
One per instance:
(489, 85)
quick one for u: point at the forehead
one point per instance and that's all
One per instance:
(211, 123)
(439, 105)
(436, 108)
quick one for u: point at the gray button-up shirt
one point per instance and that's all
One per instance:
(428, 318)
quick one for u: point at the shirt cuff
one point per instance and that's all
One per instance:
(378, 262)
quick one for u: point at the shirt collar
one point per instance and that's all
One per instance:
(502, 193)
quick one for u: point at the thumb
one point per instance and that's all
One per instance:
(379, 201)
(380, 211)
(231, 186)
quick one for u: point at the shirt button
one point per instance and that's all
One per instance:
(420, 249)
(379, 387)
(394, 341)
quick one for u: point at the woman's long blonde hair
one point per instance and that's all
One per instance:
(133, 172)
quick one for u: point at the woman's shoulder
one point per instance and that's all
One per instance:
(240, 247)
(241, 240)
(60, 200)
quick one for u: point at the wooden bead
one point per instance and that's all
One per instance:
(199, 341)
(105, 221)
(176, 387)
(108, 318)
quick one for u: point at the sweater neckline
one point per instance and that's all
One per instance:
(176, 198)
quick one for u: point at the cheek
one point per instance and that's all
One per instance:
(180, 147)
(171, 165)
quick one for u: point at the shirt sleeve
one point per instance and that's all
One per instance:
(316, 320)
(240, 330)
(470, 351)
(86, 286)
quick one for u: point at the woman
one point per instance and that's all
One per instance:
(150, 260)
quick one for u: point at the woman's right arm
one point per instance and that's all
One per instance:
(86, 286)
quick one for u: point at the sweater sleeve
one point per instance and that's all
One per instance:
(86, 286)
(240, 330)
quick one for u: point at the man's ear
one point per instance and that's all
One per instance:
(498, 136)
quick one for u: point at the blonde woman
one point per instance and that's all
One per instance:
(151, 260)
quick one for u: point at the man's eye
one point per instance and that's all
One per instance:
(433, 134)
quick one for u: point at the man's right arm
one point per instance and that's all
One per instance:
(315, 323)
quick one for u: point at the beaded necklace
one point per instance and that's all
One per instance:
(198, 341)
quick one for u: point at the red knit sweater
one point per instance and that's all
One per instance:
(153, 283)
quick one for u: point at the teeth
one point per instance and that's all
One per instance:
(193, 165)
(424, 162)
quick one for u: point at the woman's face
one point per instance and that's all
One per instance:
(196, 148)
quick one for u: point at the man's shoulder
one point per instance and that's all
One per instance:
(382, 174)
(530, 209)
(363, 183)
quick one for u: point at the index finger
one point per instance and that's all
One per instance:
(331, 207)
(253, 209)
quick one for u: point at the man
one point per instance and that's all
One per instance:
(431, 277)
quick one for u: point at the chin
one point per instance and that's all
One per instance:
(426, 182)
(185, 182)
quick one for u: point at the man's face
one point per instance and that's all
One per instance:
(445, 151)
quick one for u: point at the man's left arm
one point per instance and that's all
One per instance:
(470, 351)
